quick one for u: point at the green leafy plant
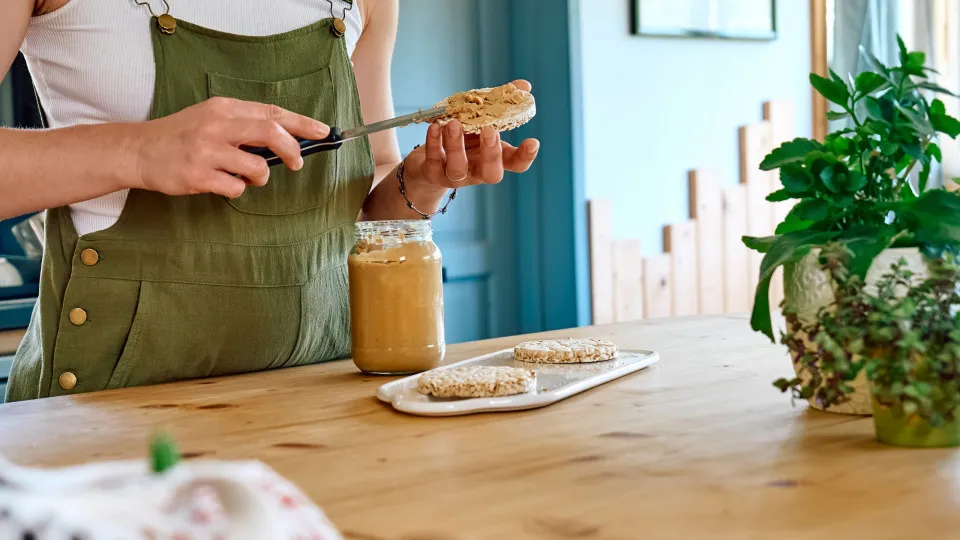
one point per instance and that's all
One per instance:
(905, 334)
(854, 188)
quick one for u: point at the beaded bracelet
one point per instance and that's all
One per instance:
(410, 205)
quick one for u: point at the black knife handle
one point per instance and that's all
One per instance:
(307, 147)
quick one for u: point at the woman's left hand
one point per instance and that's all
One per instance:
(451, 159)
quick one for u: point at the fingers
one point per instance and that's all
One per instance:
(452, 160)
(198, 149)
(519, 159)
(434, 164)
(490, 164)
(252, 168)
(225, 184)
(523, 85)
(257, 124)
(457, 166)
(270, 134)
(295, 124)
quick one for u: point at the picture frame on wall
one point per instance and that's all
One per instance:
(716, 19)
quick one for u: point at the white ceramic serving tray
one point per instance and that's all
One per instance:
(554, 383)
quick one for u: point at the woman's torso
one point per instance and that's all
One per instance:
(203, 286)
(92, 61)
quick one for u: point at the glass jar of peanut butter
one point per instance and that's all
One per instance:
(396, 298)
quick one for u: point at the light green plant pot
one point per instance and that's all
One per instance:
(897, 429)
(807, 289)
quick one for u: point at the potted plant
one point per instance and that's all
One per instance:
(863, 188)
(904, 334)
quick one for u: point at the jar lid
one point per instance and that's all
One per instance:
(402, 230)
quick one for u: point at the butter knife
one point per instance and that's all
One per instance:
(337, 136)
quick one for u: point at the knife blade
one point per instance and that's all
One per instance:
(338, 136)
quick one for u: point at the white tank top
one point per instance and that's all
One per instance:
(92, 61)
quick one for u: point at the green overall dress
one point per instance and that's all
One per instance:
(198, 286)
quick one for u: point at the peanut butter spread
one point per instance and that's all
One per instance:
(484, 107)
(502, 108)
(396, 306)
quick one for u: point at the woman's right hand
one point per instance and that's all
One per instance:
(197, 149)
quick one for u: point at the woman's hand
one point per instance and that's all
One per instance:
(450, 159)
(197, 149)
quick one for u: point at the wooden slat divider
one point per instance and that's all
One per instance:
(600, 217)
(754, 145)
(706, 209)
(705, 269)
(657, 288)
(736, 287)
(782, 117)
(680, 241)
(627, 281)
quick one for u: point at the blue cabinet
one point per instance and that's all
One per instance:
(479, 281)
(16, 303)
(515, 254)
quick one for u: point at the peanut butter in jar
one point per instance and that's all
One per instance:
(396, 298)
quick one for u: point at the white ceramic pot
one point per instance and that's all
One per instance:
(124, 500)
(807, 289)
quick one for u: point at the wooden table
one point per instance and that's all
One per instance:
(700, 446)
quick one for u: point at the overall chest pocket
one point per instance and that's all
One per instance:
(288, 192)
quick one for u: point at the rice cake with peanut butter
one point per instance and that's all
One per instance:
(476, 382)
(565, 351)
(503, 107)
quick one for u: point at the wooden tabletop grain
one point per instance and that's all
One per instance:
(699, 446)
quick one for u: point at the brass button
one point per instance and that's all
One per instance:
(78, 316)
(339, 28)
(67, 380)
(167, 23)
(89, 257)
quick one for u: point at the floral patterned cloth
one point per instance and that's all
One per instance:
(124, 500)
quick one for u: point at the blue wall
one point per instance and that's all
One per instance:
(656, 107)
